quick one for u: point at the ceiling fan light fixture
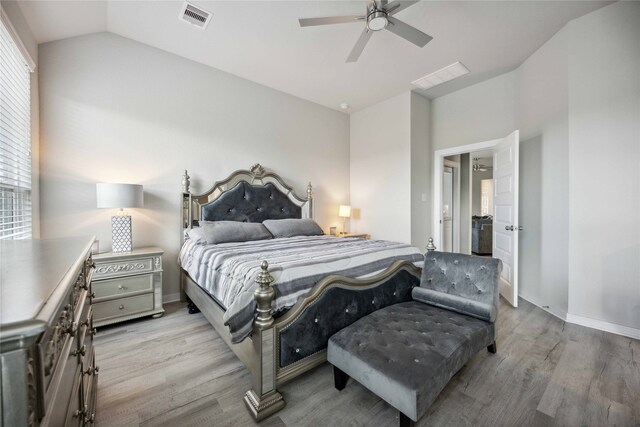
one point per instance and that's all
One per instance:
(377, 20)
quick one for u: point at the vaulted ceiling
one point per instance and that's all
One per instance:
(262, 41)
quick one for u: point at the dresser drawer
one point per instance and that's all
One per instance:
(122, 307)
(118, 268)
(122, 286)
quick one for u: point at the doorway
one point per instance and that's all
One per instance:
(497, 204)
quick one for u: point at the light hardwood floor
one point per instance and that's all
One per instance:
(176, 371)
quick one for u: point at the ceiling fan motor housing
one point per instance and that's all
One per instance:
(377, 20)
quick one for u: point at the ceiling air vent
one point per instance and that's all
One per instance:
(194, 15)
(443, 75)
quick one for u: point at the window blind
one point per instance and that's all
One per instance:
(15, 140)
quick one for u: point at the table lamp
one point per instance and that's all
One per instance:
(120, 196)
(344, 212)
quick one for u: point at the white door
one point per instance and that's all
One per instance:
(505, 214)
(447, 210)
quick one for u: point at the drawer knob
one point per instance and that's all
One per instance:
(121, 307)
(85, 322)
(81, 412)
(93, 331)
(91, 419)
(71, 330)
(92, 295)
(121, 287)
(81, 351)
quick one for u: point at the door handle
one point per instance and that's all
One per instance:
(509, 227)
(520, 228)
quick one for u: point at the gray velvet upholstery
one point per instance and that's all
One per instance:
(337, 308)
(233, 231)
(462, 283)
(407, 353)
(291, 227)
(250, 203)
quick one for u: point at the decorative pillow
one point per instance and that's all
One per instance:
(233, 231)
(196, 234)
(293, 227)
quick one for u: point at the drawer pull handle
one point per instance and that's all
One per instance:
(71, 330)
(92, 370)
(91, 419)
(92, 295)
(81, 351)
(81, 412)
(85, 322)
(93, 331)
(121, 307)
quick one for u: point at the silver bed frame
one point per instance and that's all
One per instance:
(261, 351)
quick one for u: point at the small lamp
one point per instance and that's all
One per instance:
(120, 196)
(344, 212)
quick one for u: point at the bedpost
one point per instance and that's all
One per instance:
(310, 199)
(186, 222)
(263, 399)
(430, 246)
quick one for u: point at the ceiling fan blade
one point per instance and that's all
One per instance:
(407, 32)
(309, 22)
(398, 5)
(360, 44)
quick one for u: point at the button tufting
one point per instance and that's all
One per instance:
(373, 301)
(297, 350)
(456, 262)
(468, 276)
(316, 320)
(347, 310)
(394, 294)
(416, 360)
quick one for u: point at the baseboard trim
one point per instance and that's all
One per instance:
(170, 298)
(604, 326)
(562, 315)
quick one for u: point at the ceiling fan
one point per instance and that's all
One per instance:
(379, 17)
(478, 167)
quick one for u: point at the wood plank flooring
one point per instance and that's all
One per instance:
(176, 371)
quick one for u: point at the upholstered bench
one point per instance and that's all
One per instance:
(407, 353)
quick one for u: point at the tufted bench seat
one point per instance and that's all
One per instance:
(406, 353)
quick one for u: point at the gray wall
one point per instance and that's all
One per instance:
(576, 102)
(604, 165)
(114, 110)
(420, 172)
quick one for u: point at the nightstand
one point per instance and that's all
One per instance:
(127, 285)
(361, 235)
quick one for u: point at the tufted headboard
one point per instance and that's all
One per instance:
(252, 195)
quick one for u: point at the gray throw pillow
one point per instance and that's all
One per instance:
(293, 227)
(233, 231)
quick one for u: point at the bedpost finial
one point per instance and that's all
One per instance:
(186, 182)
(309, 191)
(264, 296)
(430, 246)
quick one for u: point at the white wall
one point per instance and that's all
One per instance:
(476, 190)
(114, 110)
(381, 169)
(604, 165)
(19, 23)
(576, 102)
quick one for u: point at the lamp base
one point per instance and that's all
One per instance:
(121, 233)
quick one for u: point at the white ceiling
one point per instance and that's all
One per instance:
(262, 41)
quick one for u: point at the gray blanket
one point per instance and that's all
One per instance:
(227, 271)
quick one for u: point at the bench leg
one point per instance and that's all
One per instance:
(405, 421)
(340, 378)
(492, 348)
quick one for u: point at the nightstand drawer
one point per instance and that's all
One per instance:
(122, 286)
(120, 268)
(122, 307)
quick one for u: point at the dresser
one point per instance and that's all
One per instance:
(49, 376)
(127, 285)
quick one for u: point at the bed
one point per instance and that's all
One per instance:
(278, 319)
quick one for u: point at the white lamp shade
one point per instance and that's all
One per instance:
(344, 211)
(119, 195)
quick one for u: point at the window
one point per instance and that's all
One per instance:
(15, 137)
